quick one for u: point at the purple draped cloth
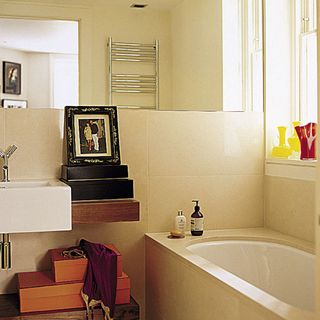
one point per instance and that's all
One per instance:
(101, 279)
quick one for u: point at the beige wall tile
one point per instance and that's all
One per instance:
(134, 140)
(225, 201)
(290, 207)
(205, 143)
(38, 135)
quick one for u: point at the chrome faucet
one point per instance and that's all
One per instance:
(5, 155)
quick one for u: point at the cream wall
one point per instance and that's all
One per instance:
(39, 77)
(290, 206)
(197, 70)
(210, 157)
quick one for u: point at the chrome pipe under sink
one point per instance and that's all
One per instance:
(5, 249)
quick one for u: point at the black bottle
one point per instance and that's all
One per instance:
(197, 220)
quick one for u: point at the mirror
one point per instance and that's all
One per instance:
(213, 49)
(45, 53)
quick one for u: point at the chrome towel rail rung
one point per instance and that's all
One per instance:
(132, 55)
(133, 81)
(122, 75)
(116, 86)
(133, 60)
(115, 49)
(133, 91)
(132, 44)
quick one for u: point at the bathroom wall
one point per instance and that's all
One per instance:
(290, 206)
(196, 28)
(210, 157)
(39, 76)
(173, 157)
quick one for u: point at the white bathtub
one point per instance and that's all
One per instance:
(241, 274)
(284, 272)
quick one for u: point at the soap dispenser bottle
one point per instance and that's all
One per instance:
(180, 222)
(197, 220)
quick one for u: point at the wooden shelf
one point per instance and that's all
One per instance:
(105, 211)
(9, 310)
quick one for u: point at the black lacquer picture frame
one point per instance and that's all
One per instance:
(92, 135)
(11, 77)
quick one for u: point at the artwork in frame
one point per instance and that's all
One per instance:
(11, 103)
(92, 135)
(11, 77)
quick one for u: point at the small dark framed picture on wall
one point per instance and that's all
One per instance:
(92, 135)
(11, 77)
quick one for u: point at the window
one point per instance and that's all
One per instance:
(291, 66)
(307, 63)
(242, 55)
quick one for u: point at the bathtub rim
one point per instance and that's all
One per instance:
(178, 247)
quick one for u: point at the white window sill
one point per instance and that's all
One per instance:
(293, 169)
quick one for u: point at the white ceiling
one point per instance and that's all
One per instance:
(39, 35)
(152, 4)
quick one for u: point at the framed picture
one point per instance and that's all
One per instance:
(92, 135)
(11, 77)
(10, 103)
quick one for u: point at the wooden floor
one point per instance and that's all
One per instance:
(9, 310)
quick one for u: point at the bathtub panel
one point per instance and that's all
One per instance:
(178, 279)
(194, 295)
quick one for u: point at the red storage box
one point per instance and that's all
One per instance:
(39, 292)
(66, 269)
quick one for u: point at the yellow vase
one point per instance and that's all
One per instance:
(283, 150)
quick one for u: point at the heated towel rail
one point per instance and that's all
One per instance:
(146, 83)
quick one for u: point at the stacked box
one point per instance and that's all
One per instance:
(39, 292)
(60, 289)
(98, 182)
(66, 269)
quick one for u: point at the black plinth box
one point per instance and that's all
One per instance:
(78, 173)
(98, 182)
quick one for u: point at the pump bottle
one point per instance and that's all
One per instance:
(180, 222)
(197, 220)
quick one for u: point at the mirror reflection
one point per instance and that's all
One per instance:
(43, 55)
(214, 53)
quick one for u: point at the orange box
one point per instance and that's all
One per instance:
(39, 292)
(66, 269)
(123, 289)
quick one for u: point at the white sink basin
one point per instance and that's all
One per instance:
(34, 206)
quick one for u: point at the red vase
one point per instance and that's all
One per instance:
(307, 136)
